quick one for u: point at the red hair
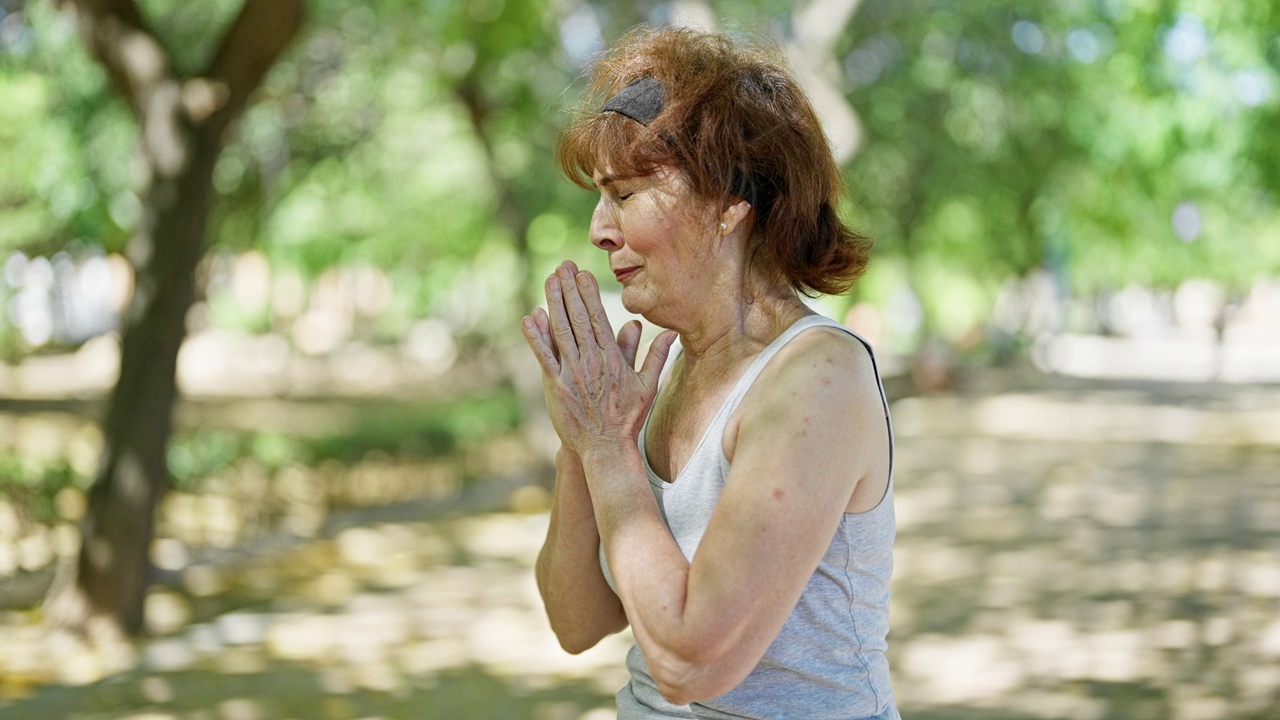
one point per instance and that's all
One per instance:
(735, 124)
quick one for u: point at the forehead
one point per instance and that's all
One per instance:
(605, 175)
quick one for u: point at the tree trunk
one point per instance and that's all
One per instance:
(112, 571)
(182, 123)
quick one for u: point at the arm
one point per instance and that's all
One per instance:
(581, 607)
(806, 435)
(807, 430)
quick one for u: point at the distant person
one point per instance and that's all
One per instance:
(733, 500)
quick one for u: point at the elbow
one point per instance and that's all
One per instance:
(680, 694)
(573, 640)
(695, 675)
(578, 632)
(574, 646)
(696, 687)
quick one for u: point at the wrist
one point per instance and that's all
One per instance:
(607, 453)
(566, 455)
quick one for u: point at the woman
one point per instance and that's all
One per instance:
(733, 505)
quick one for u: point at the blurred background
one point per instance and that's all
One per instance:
(342, 215)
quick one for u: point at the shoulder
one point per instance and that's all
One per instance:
(823, 365)
(824, 379)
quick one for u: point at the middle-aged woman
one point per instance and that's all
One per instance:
(733, 505)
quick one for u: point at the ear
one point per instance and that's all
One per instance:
(733, 216)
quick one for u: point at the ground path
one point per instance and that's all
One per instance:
(1095, 551)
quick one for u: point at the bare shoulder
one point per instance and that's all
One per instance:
(823, 381)
(821, 367)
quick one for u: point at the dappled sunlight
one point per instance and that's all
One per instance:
(1074, 281)
(1087, 556)
(417, 600)
(1071, 551)
(1056, 558)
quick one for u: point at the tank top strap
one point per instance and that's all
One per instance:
(757, 366)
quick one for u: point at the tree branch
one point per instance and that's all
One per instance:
(118, 37)
(253, 43)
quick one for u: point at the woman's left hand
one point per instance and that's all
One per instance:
(594, 395)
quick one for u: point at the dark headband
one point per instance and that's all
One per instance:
(642, 100)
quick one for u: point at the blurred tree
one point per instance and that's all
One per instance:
(503, 88)
(1109, 142)
(183, 119)
(1105, 143)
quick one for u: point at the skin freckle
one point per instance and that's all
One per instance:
(778, 493)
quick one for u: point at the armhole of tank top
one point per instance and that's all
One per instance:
(888, 420)
(795, 329)
(801, 325)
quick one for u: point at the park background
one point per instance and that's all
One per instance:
(320, 222)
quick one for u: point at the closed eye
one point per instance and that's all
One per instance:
(624, 196)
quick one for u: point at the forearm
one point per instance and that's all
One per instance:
(651, 573)
(579, 604)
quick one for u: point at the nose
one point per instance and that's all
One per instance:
(605, 233)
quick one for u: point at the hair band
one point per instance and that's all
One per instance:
(641, 100)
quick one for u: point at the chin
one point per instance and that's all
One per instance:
(636, 302)
(644, 304)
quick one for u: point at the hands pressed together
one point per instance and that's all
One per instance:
(596, 398)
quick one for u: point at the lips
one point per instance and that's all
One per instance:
(623, 273)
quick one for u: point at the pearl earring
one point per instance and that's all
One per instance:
(723, 227)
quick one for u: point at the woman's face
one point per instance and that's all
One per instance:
(660, 242)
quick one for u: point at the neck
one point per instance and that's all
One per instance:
(738, 326)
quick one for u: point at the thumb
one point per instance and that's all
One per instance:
(657, 357)
(629, 342)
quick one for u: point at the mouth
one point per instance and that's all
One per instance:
(622, 274)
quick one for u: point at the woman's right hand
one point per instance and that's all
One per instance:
(537, 332)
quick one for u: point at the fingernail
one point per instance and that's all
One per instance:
(582, 279)
(527, 323)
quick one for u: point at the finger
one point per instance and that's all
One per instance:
(543, 325)
(590, 292)
(573, 266)
(541, 346)
(657, 357)
(579, 316)
(561, 330)
(629, 341)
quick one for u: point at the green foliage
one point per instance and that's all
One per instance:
(399, 430)
(196, 455)
(1004, 137)
(418, 137)
(64, 169)
(419, 432)
(33, 484)
(189, 29)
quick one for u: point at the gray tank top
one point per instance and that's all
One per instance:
(829, 659)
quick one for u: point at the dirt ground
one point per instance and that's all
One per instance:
(1092, 552)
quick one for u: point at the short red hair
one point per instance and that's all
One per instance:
(735, 124)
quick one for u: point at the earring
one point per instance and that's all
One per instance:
(724, 226)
